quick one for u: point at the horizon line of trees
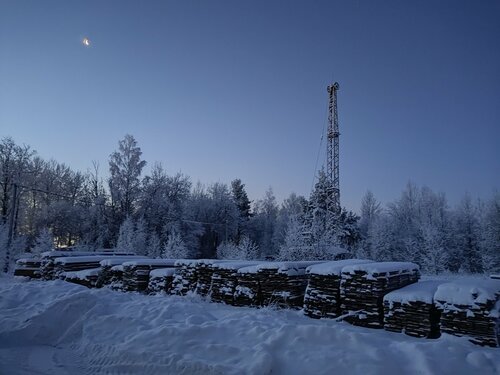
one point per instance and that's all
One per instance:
(45, 204)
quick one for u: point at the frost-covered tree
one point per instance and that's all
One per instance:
(296, 245)
(245, 250)
(175, 247)
(4, 235)
(154, 246)
(264, 223)
(44, 242)
(125, 167)
(126, 236)
(242, 202)
(491, 235)
(139, 242)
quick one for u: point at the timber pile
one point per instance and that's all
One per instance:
(411, 310)
(136, 273)
(247, 291)
(87, 277)
(78, 263)
(116, 278)
(48, 258)
(160, 280)
(471, 308)
(28, 267)
(322, 296)
(281, 283)
(224, 280)
(363, 287)
(204, 271)
(106, 275)
(185, 278)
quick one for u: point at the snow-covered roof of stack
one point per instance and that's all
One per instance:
(161, 272)
(150, 262)
(288, 268)
(381, 267)
(468, 292)
(119, 260)
(235, 265)
(92, 258)
(83, 274)
(118, 267)
(422, 291)
(335, 267)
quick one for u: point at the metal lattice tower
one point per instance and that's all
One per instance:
(333, 150)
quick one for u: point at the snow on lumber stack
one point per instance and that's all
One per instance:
(322, 296)
(136, 272)
(471, 308)
(224, 280)
(116, 278)
(78, 263)
(363, 287)
(107, 275)
(247, 291)
(160, 280)
(186, 277)
(87, 277)
(28, 267)
(411, 310)
(48, 258)
(204, 271)
(282, 283)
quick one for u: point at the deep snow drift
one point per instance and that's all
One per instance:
(59, 328)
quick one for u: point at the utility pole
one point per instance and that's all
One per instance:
(333, 151)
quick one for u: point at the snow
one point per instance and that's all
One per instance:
(335, 267)
(119, 260)
(92, 258)
(83, 274)
(118, 267)
(235, 265)
(288, 268)
(161, 272)
(422, 291)
(468, 292)
(150, 262)
(56, 328)
(58, 253)
(380, 267)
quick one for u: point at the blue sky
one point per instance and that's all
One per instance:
(231, 89)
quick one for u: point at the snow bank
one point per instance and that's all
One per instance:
(59, 328)
(419, 292)
(335, 267)
(468, 292)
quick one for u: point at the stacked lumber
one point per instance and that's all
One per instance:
(78, 263)
(471, 308)
(107, 276)
(48, 258)
(322, 296)
(136, 273)
(224, 280)
(363, 287)
(185, 278)
(160, 280)
(247, 291)
(411, 310)
(87, 277)
(116, 278)
(204, 272)
(28, 267)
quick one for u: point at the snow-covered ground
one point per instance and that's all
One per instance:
(60, 328)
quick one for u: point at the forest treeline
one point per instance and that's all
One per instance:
(45, 203)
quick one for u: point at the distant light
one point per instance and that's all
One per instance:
(86, 42)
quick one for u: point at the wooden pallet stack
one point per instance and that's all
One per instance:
(86, 277)
(322, 296)
(283, 283)
(28, 267)
(411, 310)
(136, 273)
(363, 287)
(106, 275)
(471, 308)
(160, 280)
(185, 278)
(224, 280)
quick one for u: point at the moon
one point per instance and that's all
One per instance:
(86, 42)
